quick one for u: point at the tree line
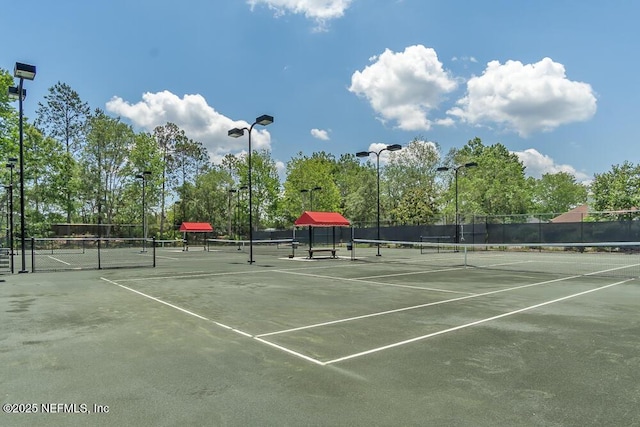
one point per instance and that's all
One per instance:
(83, 166)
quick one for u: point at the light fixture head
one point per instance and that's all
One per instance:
(442, 169)
(362, 154)
(243, 187)
(317, 188)
(24, 71)
(140, 176)
(232, 190)
(147, 173)
(471, 164)
(264, 120)
(304, 190)
(394, 147)
(235, 132)
(13, 93)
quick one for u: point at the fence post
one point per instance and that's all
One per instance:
(33, 255)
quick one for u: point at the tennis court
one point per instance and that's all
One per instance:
(413, 337)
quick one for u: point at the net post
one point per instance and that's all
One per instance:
(99, 260)
(33, 254)
(465, 257)
(154, 252)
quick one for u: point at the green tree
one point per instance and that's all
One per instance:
(617, 189)
(356, 184)
(409, 183)
(167, 137)
(266, 187)
(63, 116)
(104, 164)
(557, 193)
(497, 186)
(308, 173)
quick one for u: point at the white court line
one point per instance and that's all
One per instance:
(408, 274)
(59, 260)
(370, 282)
(222, 325)
(467, 325)
(414, 307)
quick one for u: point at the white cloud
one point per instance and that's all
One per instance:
(320, 11)
(192, 114)
(320, 134)
(538, 164)
(405, 86)
(525, 98)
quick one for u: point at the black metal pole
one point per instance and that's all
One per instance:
(457, 219)
(11, 221)
(250, 202)
(378, 219)
(22, 216)
(144, 216)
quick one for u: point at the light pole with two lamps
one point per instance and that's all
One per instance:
(263, 120)
(456, 169)
(22, 72)
(310, 191)
(143, 176)
(392, 147)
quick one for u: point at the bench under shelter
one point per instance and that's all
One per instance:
(312, 219)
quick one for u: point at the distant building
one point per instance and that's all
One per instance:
(577, 214)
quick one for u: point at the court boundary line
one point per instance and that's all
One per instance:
(414, 307)
(221, 325)
(470, 324)
(395, 285)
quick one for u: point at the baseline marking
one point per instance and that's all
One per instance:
(222, 325)
(467, 325)
(59, 260)
(413, 307)
(375, 283)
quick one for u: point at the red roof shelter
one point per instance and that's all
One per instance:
(321, 219)
(194, 227)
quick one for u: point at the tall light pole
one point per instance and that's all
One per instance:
(263, 120)
(22, 72)
(241, 188)
(310, 191)
(456, 169)
(143, 176)
(11, 164)
(392, 147)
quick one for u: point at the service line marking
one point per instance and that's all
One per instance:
(222, 325)
(467, 325)
(59, 260)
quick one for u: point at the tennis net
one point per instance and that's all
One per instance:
(619, 259)
(274, 247)
(64, 253)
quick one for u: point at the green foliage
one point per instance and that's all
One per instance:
(497, 186)
(409, 190)
(618, 189)
(557, 193)
(309, 173)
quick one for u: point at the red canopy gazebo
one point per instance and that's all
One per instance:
(194, 227)
(321, 219)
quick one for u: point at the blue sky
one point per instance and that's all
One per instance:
(554, 81)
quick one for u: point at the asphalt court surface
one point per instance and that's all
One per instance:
(348, 342)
